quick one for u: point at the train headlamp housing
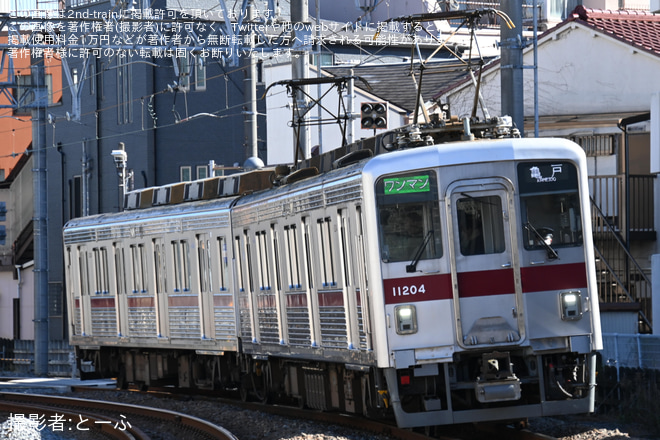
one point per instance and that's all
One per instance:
(406, 319)
(571, 305)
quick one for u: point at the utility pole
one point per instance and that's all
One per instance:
(250, 87)
(300, 70)
(38, 77)
(512, 64)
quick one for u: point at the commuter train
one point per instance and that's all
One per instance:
(433, 275)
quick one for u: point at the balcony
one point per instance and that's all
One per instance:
(633, 220)
(620, 216)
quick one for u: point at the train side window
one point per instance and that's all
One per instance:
(101, 270)
(262, 260)
(550, 204)
(409, 217)
(224, 262)
(69, 269)
(204, 256)
(480, 225)
(120, 269)
(139, 269)
(308, 251)
(276, 256)
(248, 261)
(325, 241)
(239, 264)
(159, 266)
(292, 259)
(343, 236)
(84, 275)
(181, 251)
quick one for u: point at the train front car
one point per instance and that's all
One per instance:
(488, 302)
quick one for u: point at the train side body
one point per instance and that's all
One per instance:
(443, 284)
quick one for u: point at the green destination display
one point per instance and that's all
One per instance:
(406, 185)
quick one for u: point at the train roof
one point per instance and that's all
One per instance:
(440, 143)
(438, 131)
(115, 220)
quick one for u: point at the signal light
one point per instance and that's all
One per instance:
(373, 115)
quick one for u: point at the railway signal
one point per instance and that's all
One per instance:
(373, 115)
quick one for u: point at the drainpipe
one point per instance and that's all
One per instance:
(623, 126)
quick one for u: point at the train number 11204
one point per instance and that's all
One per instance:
(408, 290)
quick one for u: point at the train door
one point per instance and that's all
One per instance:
(485, 268)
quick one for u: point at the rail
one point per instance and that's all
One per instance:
(619, 276)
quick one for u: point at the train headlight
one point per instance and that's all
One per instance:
(406, 319)
(571, 305)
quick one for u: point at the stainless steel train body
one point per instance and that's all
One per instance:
(443, 284)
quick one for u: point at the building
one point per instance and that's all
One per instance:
(609, 105)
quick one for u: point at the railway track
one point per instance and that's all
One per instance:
(111, 420)
(472, 432)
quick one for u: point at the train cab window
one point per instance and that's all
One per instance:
(550, 205)
(408, 216)
(480, 225)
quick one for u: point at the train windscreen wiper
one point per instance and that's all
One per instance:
(552, 254)
(412, 267)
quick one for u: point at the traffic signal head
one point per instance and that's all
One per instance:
(373, 115)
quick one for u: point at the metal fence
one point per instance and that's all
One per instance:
(17, 357)
(631, 351)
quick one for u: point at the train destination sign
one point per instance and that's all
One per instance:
(406, 185)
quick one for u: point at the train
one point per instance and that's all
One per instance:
(433, 274)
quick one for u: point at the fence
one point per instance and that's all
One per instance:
(631, 351)
(17, 357)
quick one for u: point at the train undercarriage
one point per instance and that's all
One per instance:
(475, 387)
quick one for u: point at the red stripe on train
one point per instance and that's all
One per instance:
(331, 299)
(559, 277)
(147, 301)
(182, 301)
(102, 302)
(485, 283)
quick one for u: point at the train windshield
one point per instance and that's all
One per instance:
(409, 217)
(550, 205)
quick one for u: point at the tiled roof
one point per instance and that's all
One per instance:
(394, 82)
(640, 29)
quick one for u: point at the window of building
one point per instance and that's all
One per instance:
(185, 173)
(200, 72)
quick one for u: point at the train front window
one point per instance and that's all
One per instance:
(408, 216)
(480, 225)
(550, 205)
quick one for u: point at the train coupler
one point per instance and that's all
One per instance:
(497, 382)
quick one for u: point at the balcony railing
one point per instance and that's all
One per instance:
(633, 219)
(620, 279)
(617, 220)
